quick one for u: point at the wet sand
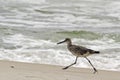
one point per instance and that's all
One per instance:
(10, 70)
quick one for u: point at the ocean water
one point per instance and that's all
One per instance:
(30, 29)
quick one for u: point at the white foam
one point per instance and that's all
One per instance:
(26, 42)
(101, 44)
(45, 51)
(24, 1)
(65, 18)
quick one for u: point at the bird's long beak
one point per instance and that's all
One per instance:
(61, 42)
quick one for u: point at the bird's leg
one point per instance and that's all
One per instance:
(95, 70)
(71, 64)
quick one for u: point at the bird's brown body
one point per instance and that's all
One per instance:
(78, 50)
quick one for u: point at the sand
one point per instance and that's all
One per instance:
(10, 70)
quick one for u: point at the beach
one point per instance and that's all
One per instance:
(10, 70)
(31, 29)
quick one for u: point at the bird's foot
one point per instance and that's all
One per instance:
(65, 68)
(95, 70)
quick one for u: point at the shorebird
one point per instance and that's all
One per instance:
(79, 51)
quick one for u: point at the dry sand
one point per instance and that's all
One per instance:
(28, 71)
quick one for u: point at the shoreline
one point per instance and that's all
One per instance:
(11, 70)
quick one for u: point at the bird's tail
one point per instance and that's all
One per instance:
(93, 52)
(97, 52)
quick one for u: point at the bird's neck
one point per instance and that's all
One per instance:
(69, 43)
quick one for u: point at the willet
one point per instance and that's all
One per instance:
(79, 51)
